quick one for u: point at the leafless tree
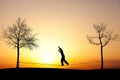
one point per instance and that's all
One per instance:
(102, 38)
(19, 35)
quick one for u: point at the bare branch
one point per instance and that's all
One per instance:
(100, 28)
(20, 35)
(105, 42)
(104, 36)
(29, 42)
(116, 37)
(91, 40)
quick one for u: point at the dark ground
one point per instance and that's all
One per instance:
(58, 74)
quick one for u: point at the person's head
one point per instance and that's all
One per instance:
(58, 46)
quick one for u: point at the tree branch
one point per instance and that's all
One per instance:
(92, 41)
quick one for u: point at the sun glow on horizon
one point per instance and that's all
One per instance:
(47, 53)
(47, 58)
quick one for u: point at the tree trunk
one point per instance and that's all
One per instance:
(101, 57)
(18, 53)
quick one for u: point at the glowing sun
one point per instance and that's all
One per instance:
(47, 53)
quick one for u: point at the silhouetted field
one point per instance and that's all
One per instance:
(58, 74)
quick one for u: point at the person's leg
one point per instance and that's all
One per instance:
(66, 62)
(62, 62)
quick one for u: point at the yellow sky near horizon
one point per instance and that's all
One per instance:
(64, 23)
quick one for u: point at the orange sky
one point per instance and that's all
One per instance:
(65, 23)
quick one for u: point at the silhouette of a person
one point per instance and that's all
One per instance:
(62, 57)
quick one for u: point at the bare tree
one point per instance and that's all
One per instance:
(19, 36)
(103, 38)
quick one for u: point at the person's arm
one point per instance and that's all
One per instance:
(59, 50)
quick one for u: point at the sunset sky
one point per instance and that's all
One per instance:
(64, 23)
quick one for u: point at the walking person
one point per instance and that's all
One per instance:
(62, 57)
